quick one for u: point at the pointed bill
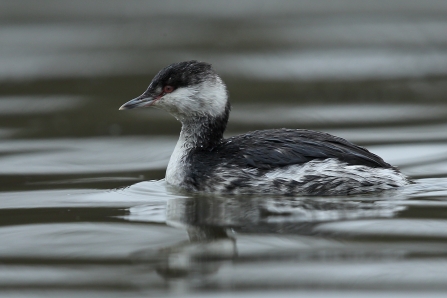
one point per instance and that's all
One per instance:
(140, 102)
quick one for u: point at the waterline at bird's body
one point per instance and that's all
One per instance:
(279, 161)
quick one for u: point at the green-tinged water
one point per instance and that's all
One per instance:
(84, 211)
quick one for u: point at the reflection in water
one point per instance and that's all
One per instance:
(247, 242)
(213, 224)
(194, 259)
(283, 215)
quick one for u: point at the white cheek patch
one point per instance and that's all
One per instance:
(207, 98)
(172, 102)
(213, 97)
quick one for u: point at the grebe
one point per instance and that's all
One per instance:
(276, 161)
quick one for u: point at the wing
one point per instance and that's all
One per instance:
(268, 149)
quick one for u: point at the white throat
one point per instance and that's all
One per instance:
(176, 171)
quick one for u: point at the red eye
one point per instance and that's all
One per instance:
(168, 89)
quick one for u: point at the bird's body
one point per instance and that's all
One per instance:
(277, 161)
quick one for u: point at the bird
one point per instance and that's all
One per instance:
(274, 161)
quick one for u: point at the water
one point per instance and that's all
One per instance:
(84, 210)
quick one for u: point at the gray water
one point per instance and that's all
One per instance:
(84, 210)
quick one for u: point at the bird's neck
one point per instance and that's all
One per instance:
(204, 132)
(198, 133)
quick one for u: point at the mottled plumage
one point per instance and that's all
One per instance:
(278, 161)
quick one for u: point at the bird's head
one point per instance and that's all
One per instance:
(186, 90)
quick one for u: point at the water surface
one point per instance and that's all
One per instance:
(84, 209)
